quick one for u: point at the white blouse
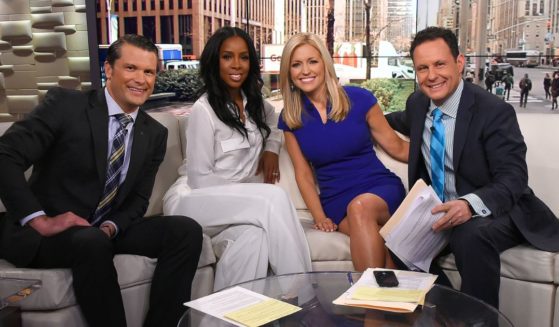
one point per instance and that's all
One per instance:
(217, 154)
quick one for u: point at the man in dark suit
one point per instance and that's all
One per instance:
(482, 170)
(95, 156)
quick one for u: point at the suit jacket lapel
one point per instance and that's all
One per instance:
(99, 122)
(463, 118)
(416, 138)
(139, 146)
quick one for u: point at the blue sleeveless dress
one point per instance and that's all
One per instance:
(342, 156)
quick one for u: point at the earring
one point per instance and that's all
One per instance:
(292, 87)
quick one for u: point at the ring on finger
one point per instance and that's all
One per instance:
(450, 222)
(275, 174)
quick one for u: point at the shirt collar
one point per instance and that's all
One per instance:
(450, 106)
(114, 108)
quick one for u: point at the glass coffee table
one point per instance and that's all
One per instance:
(314, 293)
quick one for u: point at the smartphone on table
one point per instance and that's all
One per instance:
(386, 278)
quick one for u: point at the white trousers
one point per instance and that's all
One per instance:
(251, 225)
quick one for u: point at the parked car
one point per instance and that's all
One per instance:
(193, 64)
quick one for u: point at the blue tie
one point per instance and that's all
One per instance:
(114, 167)
(437, 153)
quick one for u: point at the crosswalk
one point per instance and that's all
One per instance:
(515, 98)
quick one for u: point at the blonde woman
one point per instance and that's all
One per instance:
(329, 132)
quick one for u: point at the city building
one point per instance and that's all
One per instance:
(186, 22)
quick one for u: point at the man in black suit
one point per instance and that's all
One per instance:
(78, 209)
(486, 199)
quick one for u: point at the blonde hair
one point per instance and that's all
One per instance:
(292, 104)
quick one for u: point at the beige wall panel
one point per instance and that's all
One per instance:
(47, 20)
(49, 41)
(66, 29)
(24, 68)
(45, 56)
(62, 3)
(77, 41)
(22, 92)
(7, 69)
(79, 53)
(74, 18)
(47, 79)
(57, 68)
(18, 58)
(22, 104)
(14, 7)
(80, 8)
(3, 103)
(5, 45)
(41, 10)
(21, 80)
(68, 82)
(81, 27)
(78, 65)
(22, 50)
(39, 3)
(86, 86)
(18, 17)
(46, 85)
(42, 94)
(16, 31)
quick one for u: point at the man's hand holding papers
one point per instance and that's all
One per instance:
(409, 233)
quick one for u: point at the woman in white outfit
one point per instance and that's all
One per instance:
(232, 148)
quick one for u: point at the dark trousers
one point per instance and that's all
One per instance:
(523, 97)
(507, 92)
(175, 241)
(476, 245)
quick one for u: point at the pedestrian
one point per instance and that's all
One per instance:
(509, 83)
(525, 87)
(547, 85)
(470, 76)
(554, 90)
(489, 80)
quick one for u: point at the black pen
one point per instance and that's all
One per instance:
(350, 278)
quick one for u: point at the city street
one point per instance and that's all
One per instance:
(536, 99)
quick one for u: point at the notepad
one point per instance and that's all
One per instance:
(242, 307)
(410, 292)
(262, 313)
(384, 294)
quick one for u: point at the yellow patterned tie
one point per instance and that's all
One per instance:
(114, 167)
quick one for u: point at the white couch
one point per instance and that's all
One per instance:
(529, 277)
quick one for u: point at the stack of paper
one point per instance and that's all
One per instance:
(411, 291)
(242, 307)
(409, 234)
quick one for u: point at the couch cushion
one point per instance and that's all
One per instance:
(326, 246)
(57, 292)
(287, 179)
(540, 135)
(207, 257)
(522, 262)
(168, 170)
